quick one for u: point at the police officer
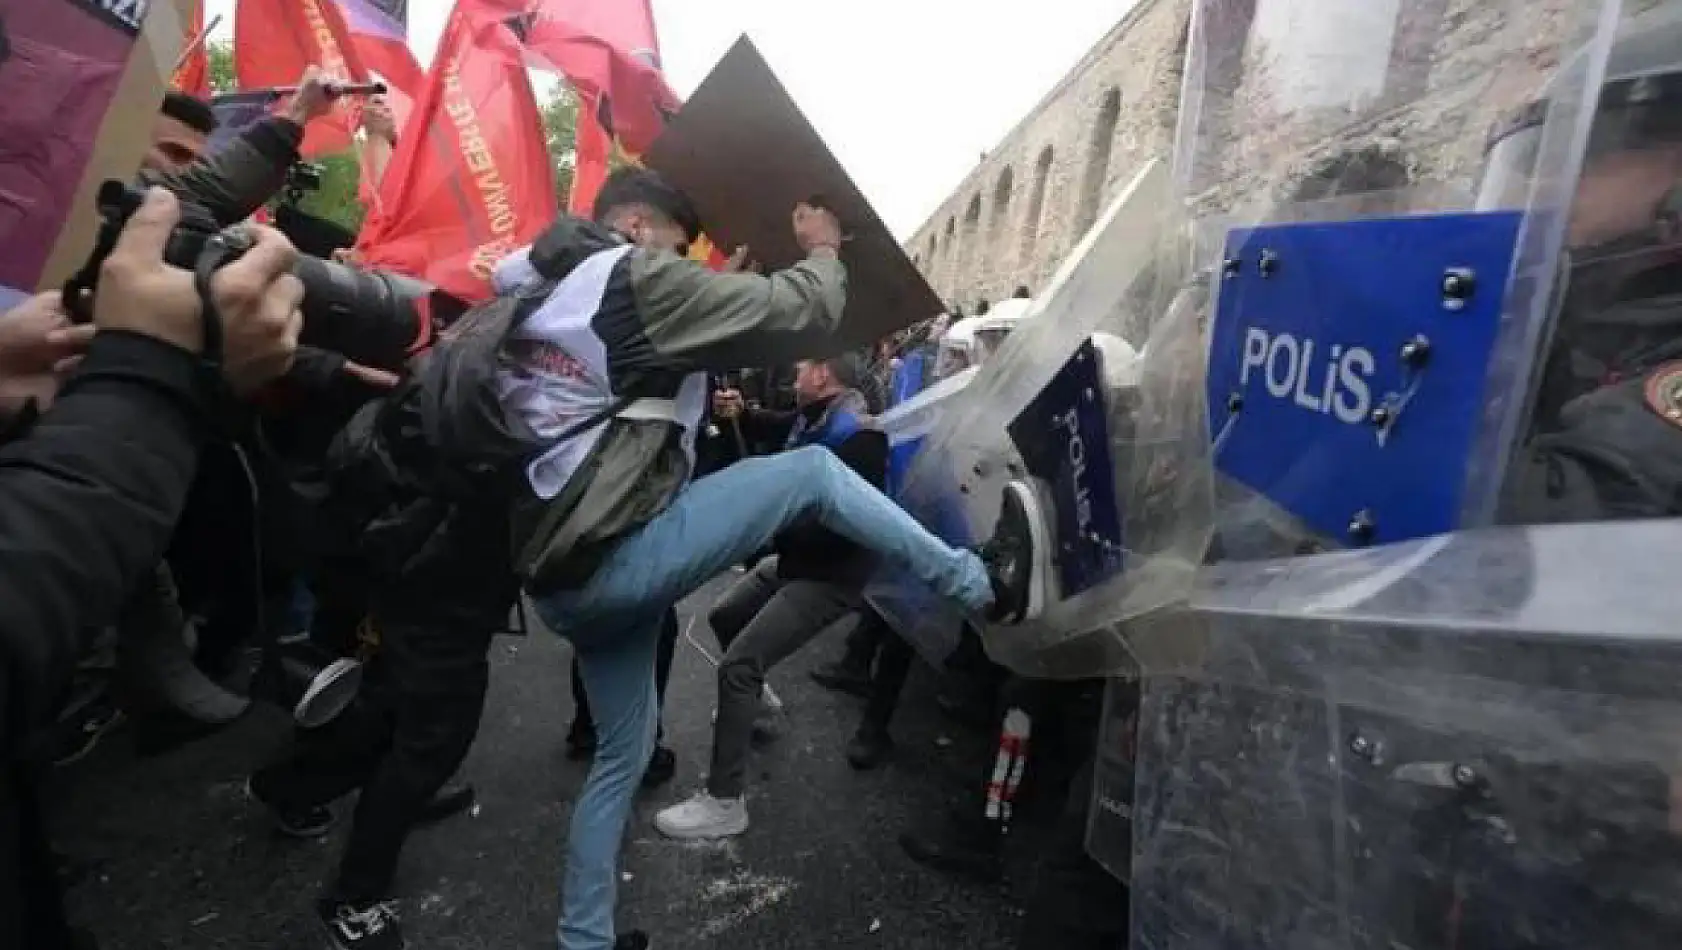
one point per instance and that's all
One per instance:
(1606, 431)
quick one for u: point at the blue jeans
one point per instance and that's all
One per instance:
(614, 625)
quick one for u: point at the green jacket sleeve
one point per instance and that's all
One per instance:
(723, 321)
(238, 179)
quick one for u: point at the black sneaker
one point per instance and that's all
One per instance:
(361, 926)
(635, 940)
(869, 748)
(661, 767)
(843, 677)
(1018, 557)
(581, 740)
(450, 801)
(311, 822)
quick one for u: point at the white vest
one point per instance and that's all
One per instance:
(558, 375)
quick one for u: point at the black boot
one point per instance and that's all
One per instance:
(971, 848)
(309, 821)
(1018, 557)
(869, 748)
(635, 940)
(844, 676)
(661, 767)
(450, 801)
(581, 740)
(155, 666)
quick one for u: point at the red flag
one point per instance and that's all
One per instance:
(379, 31)
(471, 179)
(591, 151)
(192, 76)
(609, 51)
(276, 40)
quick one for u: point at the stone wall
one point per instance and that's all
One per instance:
(1350, 98)
(1024, 206)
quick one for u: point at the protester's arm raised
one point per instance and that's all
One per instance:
(236, 181)
(723, 321)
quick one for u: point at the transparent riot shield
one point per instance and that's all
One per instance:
(1450, 735)
(1096, 400)
(1435, 744)
(1373, 342)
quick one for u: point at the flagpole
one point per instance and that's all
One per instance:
(194, 46)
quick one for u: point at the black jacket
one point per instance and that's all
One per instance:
(246, 525)
(811, 551)
(89, 496)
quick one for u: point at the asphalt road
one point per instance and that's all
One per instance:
(174, 857)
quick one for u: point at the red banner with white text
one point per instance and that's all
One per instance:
(471, 178)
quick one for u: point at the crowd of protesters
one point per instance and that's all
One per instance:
(201, 475)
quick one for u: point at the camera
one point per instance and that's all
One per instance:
(197, 239)
(361, 314)
(301, 179)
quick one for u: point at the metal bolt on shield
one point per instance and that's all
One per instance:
(1458, 285)
(1416, 351)
(1364, 747)
(1465, 776)
(1362, 526)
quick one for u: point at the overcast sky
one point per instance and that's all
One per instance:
(908, 93)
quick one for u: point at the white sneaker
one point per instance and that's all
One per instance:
(703, 817)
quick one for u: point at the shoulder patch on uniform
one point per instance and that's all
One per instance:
(1664, 392)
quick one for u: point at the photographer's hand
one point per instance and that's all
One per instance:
(257, 296)
(37, 343)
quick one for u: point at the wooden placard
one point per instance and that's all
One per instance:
(745, 154)
(125, 133)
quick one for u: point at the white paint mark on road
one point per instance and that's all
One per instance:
(752, 893)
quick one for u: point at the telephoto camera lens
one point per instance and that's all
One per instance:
(356, 312)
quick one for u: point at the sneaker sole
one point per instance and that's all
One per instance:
(732, 830)
(1040, 576)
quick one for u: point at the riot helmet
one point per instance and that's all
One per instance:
(1620, 306)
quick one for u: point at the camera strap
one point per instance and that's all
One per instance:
(218, 252)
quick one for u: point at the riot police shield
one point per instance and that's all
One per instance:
(1373, 341)
(1435, 744)
(1095, 396)
(1450, 734)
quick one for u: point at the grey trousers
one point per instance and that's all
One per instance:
(760, 622)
